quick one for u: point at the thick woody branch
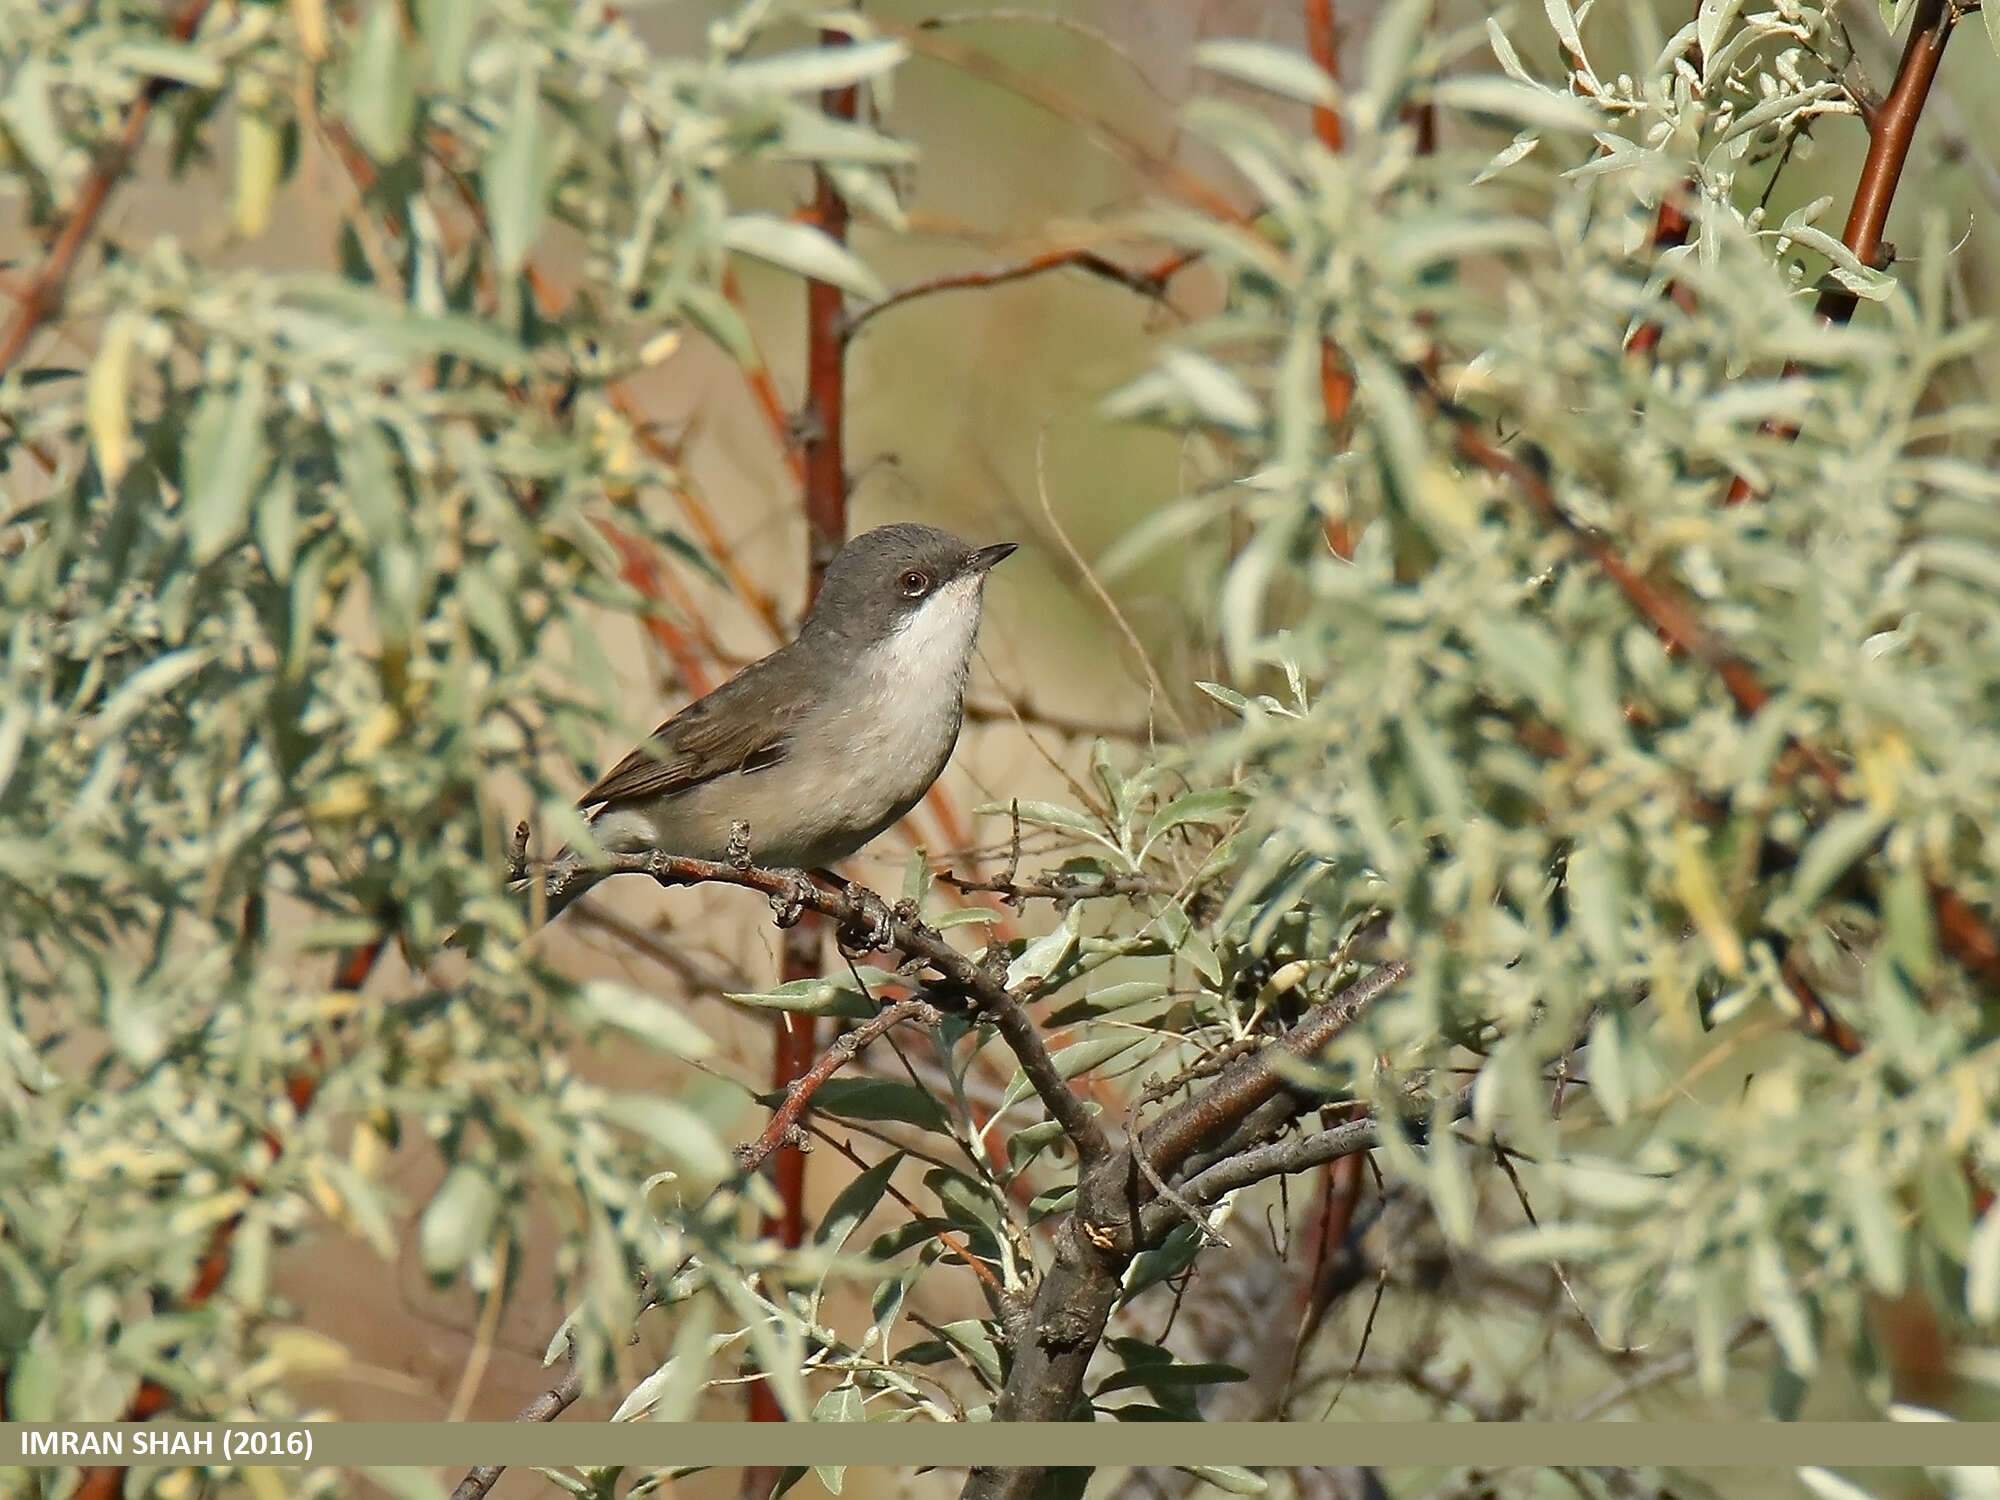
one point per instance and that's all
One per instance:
(546, 1407)
(860, 915)
(1111, 1223)
(1255, 1077)
(1283, 1158)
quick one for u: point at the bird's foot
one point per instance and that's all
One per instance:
(869, 927)
(737, 855)
(789, 904)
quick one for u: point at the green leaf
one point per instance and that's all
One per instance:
(1597, 895)
(139, 691)
(1877, 1221)
(1278, 70)
(381, 85)
(1044, 815)
(816, 996)
(1229, 1477)
(1542, 108)
(1982, 1269)
(1214, 805)
(652, 1021)
(458, 1224)
(225, 455)
(802, 249)
(1045, 954)
(812, 69)
(275, 523)
(841, 1404)
(1844, 839)
(855, 1202)
(1081, 1057)
(677, 1130)
(513, 179)
(976, 1340)
(447, 27)
(881, 1099)
(1160, 1376)
(171, 61)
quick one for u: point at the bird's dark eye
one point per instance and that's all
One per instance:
(915, 584)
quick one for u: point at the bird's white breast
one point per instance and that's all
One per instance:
(895, 731)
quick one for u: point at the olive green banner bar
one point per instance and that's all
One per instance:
(919, 1444)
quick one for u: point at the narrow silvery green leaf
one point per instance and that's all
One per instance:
(1541, 108)
(1080, 1057)
(381, 85)
(802, 249)
(1280, 70)
(662, 1026)
(1877, 1220)
(808, 70)
(1045, 954)
(1229, 1478)
(677, 1130)
(225, 455)
(447, 27)
(459, 1221)
(513, 180)
(1982, 1269)
(1450, 1184)
(880, 1099)
(855, 1202)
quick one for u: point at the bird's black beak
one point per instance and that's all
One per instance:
(985, 557)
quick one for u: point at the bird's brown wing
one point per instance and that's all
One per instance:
(710, 737)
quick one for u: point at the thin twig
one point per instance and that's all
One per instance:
(1149, 283)
(43, 295)
(482, 1341)
(859, 913)
(1661, 1371)
(1892, 131)
(1062, 888)
(784, 1129)
(546, 1407)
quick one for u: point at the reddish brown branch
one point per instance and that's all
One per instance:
(1323, 45)
(1893, 129)
(1670, 231)
(1150, 282)
(638, 566)
(1966, 937)
(824, 471)
(43, 295)
(784, 1129)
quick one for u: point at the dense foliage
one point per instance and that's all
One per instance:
(1672, 815)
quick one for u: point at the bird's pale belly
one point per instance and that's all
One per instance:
(848, 777)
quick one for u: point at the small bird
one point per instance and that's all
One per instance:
(824, 743)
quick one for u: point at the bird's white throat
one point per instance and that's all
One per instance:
(933, 644)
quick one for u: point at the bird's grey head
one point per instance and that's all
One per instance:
(903, 580)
